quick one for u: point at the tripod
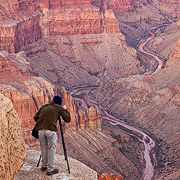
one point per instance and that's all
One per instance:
(64, 147)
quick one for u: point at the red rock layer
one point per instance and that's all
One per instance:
(81, 119)
(78, 21)
(20, 24)
(14, 34)
(26, 92)
(109, 177)
(67, 3)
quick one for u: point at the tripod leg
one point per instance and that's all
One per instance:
(39, 161)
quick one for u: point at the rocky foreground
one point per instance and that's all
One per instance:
(78, 171)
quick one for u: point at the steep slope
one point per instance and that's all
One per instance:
(12, 146)
(27, 92)
(88, 58)
(164, 44)
(151, 102)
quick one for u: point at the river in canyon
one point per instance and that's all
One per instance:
(142, 137)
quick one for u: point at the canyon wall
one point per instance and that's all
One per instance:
(26, 92)
(12, 146)
(17, 33)
(70, 21)
(21, 24)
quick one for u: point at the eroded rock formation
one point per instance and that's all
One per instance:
(105, 176)
(12, 146)
(21, 23)
(151, 102)
(81, 119)
(26, 92)
(17, 33)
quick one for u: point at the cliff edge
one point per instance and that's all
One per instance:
(79, 171)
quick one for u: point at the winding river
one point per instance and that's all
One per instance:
(144, 138)
(143, 44)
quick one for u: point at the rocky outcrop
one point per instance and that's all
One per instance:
(12, 146)
(94, 118)
(78, 170)
(17, 33)
(105, 176)
(71, 21)
(81, 119)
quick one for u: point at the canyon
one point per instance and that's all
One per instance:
(120, 55)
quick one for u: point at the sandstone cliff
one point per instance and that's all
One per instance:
(17, 33)
(12, 146)
(69, 21)
(21, 23)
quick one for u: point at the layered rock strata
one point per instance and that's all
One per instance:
(71, 21)
(12, 146)
(26, 92)
(21, 25)
(17, 33)
(81, 119)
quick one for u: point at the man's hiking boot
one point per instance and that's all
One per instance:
(43, 168)
(55, 171)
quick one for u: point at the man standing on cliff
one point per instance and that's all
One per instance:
(47, 118)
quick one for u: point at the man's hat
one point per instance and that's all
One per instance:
(57, 100)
